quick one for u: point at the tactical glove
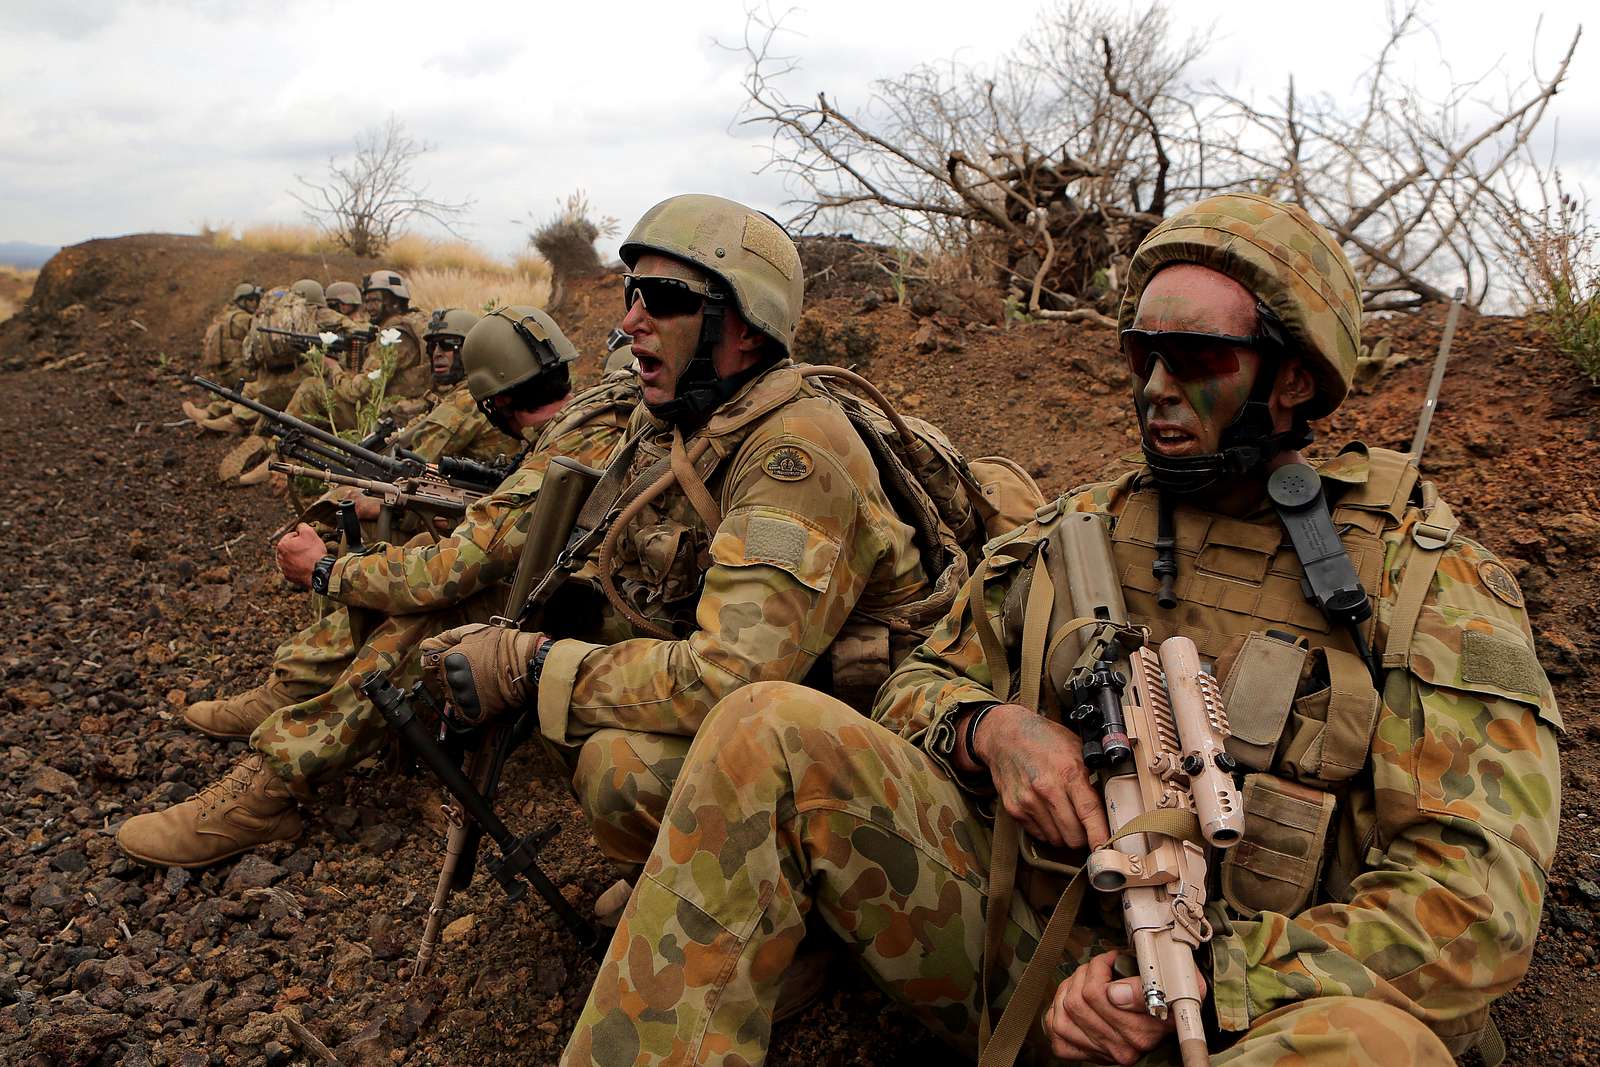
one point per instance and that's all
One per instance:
(482, 669)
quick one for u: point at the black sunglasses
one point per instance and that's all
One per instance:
(448, 346)
(663, 298)
(1190, 355)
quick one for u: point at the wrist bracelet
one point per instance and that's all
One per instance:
(972, 732)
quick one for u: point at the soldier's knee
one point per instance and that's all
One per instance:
(772, 705)
(1339, 1032)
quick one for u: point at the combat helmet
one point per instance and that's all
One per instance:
(388, 281)
(1292, 265)
(512, 347)
(743, 249)
(343, 293)
(311, 290)
(246, 291)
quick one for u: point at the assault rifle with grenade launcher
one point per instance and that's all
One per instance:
(1153, 727)
(469, 758)
(351, 344)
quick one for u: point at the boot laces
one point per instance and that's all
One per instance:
(232, 784)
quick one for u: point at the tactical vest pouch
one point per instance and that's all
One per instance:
(1330, 728)
(1277, 866)
(1258, 693)
(1010, 495)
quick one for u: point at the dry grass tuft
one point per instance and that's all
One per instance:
(479, 290)
(411, 252)
(285, 237)
(16, 285)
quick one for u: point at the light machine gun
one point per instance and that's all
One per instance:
(1153, 726)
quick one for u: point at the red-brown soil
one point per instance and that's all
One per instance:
(138, 584)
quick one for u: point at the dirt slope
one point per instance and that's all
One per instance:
(137, 584)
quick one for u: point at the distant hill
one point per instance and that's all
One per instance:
(26, 255)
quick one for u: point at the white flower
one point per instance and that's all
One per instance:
(327, 338)
(389, 337)
(375, 374)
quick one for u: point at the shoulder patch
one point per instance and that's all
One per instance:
(1496, 577)
(1507, 664)
(788, 463)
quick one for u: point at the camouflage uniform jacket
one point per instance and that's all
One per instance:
(483, 549)
(453, 426)
(1418, 826)
(808, 552)
(412, 373)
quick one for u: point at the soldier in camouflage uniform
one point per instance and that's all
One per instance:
(748, 538)
(1397, 837)
(308, 722)
(222, 353)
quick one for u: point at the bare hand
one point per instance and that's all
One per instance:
(1038, 769)
(298, 554)
(1098, 1017)
(368, 508)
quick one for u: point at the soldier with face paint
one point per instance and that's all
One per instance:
(1398, 767)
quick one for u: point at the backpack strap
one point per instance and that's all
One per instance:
(1431, 534)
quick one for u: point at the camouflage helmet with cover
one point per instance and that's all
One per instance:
(343, 293)
(743, 249)
(310, 291)
(387, 281)
(1292, 265)
(511, 346)
(246, 291)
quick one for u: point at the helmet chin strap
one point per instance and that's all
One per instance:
(699, 390)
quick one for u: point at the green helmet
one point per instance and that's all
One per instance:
(343, 293)
(512, 345)
(246, 291)
(450, 322)
(1290, 263)
(388, 281)
(745, 250)
(311, 290)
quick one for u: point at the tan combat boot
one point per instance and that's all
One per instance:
(250, 806)
(257, 474)
(236, 716)
(250, 452)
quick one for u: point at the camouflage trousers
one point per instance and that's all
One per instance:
(333, 727)
(789, 800)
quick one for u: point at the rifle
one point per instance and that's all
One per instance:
(425, 494)
(1153, 726)
(316, 447)
(353, 344)
(1431, 401)
(566, 486)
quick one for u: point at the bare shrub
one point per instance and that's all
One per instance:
(365, 203)
(566, 240)
(1555, 251)
(1046, 169)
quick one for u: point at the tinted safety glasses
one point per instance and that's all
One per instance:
(446, 344)
(663, 297)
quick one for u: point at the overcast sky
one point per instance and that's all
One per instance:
(128, 117)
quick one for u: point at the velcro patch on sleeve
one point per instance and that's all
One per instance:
(1507, 664)
(776, 538)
